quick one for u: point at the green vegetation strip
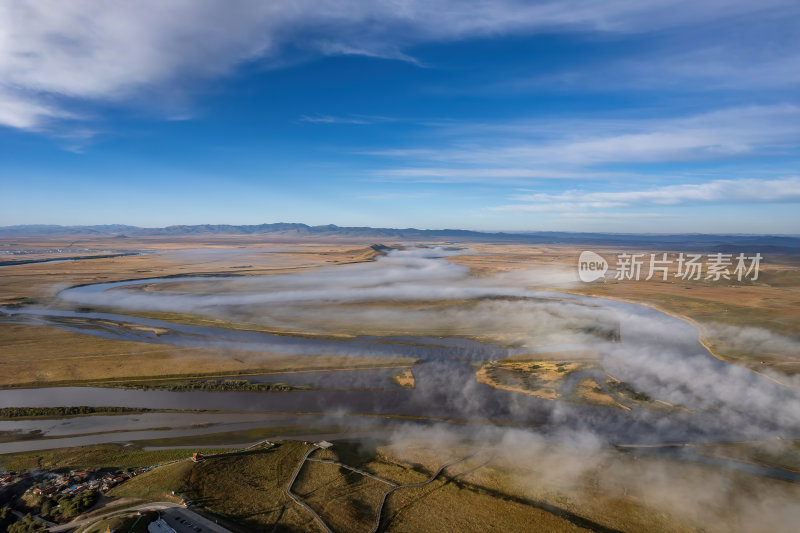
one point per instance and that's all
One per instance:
(111, 456)
(134, 522)
(244, 436)
(120, 381)
(241, 385)
(61, 412)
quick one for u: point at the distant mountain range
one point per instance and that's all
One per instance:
(732, 243)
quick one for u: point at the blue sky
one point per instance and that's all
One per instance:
(662, 116)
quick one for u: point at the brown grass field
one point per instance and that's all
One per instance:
(40, 355)
(404, 378)
(541, 377)
(519, 484)
(771, 303)
(247, 489)
(503, 486)
(32, 354)
(516, 484)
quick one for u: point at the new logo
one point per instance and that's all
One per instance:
(591, 266)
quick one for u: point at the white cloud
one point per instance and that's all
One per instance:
(565, 149)
(328, 119)
(741, 66)
(395, 196)
(350, 119)
(473, 174)
(717, 191)
(23, 113)
(761, 55)
(114, 50)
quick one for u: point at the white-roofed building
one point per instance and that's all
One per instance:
(159, 526)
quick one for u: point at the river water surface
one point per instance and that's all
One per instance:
(656, 353)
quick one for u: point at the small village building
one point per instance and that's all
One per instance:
(160, 526)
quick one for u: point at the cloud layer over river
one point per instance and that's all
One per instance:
(418, 292)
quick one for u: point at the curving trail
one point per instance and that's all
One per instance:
(379, 512)
(300, 502)
(410, 485)
(356, 470)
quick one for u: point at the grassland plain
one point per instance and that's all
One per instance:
(159, 485)
(130, 523)
(778, 453)
(771, 303)
(246, 436)
(45, 355)
(112, 456)
(591, 489)
(404, 378)
(248, 489)
(444, 504)
(504, 487)
(20, 413)
(500, 485)
(537, 378)
(346, 500)
(544, 375)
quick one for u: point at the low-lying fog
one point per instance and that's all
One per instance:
(417, 291)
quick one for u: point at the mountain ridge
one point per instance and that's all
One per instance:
(726, 242)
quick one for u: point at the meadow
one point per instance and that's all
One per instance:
(512, 484)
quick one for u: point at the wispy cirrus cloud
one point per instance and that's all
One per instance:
(395, 195)
(55, 55)
(762, 55)
(484, 175)
(723, 191)
(580, 149)
(24, 113)
(350, 119)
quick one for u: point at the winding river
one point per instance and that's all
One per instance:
(657, 354)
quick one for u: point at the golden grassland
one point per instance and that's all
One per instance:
(441, 506)
(342, 321)
(776, 309)
(445, 504)
(544, 376)
(158, 484)
(404, 378)
(243, 436)
(589, 356)
(184, 256)
(589, 390)
(772, 302)
(777, 453)
(615, 490)
(541, 378)
(41, 354)
(247, 488)
(507, 486)
(99, 456)
(131, 523)
(346, 500)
